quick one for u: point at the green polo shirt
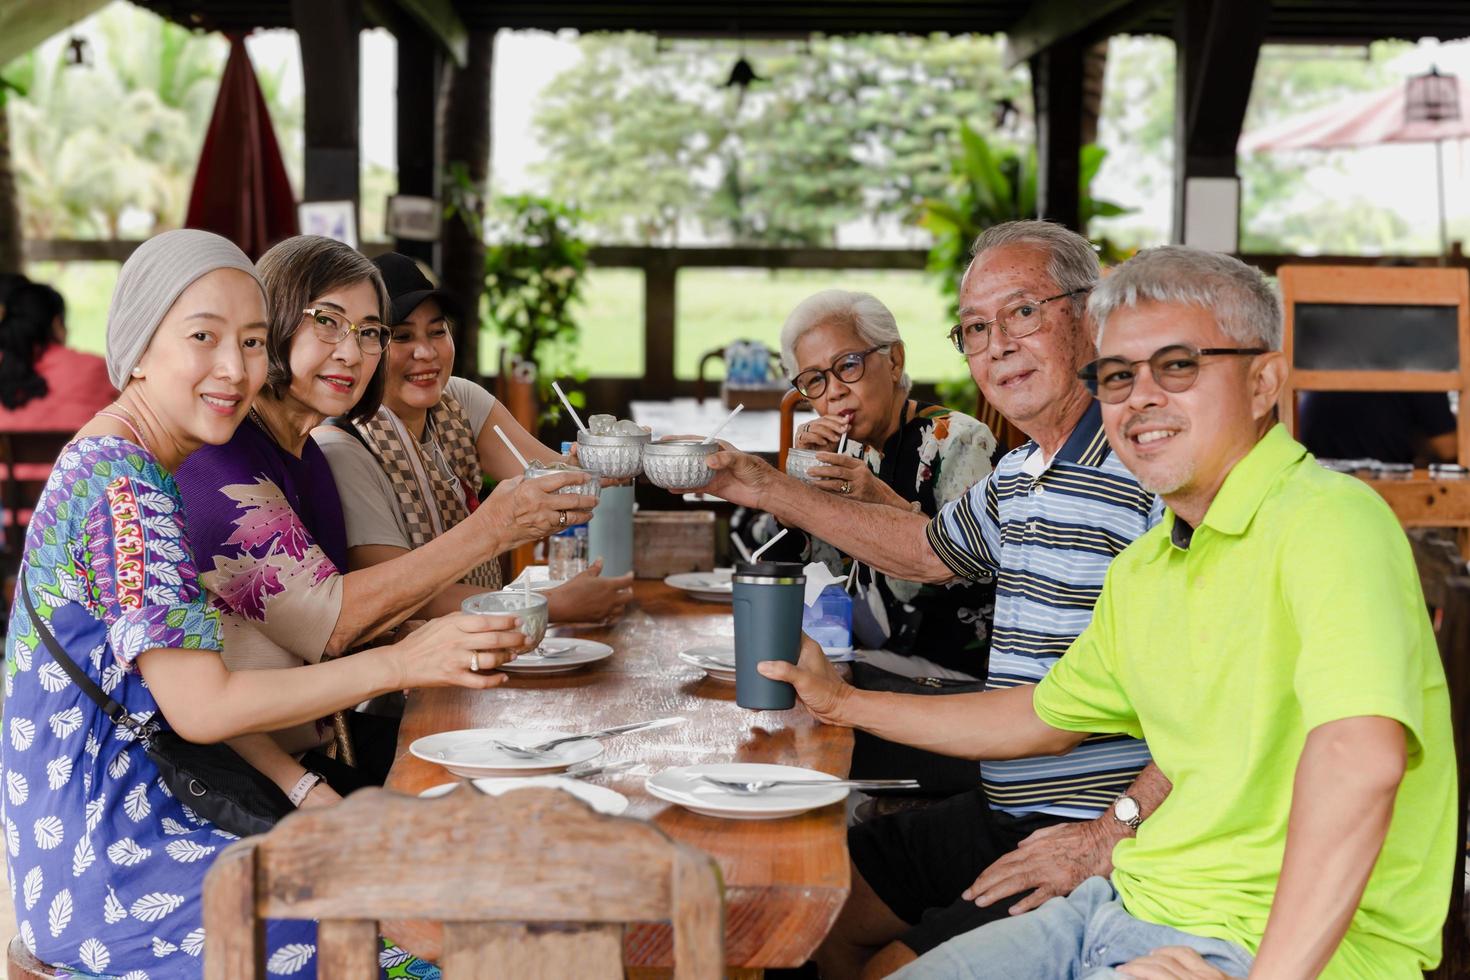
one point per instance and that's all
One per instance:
(1295, 603)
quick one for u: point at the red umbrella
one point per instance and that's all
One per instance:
(1427, 108)
(241, 190)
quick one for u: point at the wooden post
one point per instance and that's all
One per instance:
(659, 316)
(465, 133)
(328, 33)
(1218, 43)
(419, 68)
(11, 257)
(1056, 86)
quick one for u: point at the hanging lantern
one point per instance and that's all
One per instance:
(78, 54)
(1432, 97)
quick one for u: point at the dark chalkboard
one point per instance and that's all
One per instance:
(1342, 337)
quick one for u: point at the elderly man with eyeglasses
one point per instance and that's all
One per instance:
(1046, 524)
(1270, 638)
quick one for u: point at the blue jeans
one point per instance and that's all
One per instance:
(1080, 937)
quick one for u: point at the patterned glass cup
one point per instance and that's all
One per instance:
(529, 606)
(799, 462)
(592, 487)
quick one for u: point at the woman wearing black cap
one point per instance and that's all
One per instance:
(412, 470)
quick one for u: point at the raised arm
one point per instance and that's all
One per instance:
(892, 540)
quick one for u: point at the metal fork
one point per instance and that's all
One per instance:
(541, 748)
(751, 786)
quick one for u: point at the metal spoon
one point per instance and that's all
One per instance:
(750, 786)
(542, 748)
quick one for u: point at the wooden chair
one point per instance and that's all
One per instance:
(531, 884)
(21, 965)
(1447, 591)
(1007, 436)
(791, 403)
(26, 459)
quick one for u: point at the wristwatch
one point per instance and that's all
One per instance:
(1126, 811)
(304, 786)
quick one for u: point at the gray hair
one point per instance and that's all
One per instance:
(1235, 294)
(863, 312)
(1071, 259)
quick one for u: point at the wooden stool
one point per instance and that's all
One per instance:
(21, 965)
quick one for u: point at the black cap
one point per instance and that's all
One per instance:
(408, 287)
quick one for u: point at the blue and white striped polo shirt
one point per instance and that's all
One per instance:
(1048, 538)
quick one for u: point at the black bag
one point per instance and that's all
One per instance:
(212, 780)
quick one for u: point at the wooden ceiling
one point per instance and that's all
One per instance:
(1328, 21)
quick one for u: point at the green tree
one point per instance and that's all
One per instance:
(837, 129)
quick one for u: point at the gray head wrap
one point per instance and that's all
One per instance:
(151, 279)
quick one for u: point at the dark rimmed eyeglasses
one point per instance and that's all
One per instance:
(332, 328)
(1174, 368)
(1018, 318)
(847, 368)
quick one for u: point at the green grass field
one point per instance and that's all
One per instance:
(714, 307)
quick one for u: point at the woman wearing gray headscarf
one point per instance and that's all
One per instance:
(108, 865)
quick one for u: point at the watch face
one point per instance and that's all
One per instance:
(1125, 808)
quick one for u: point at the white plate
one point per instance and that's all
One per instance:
(679, 786)
(600, 798)
(701, 656)
(714, 586)
(578, 654)
(467, 753)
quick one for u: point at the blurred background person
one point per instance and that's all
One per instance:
(45, 385)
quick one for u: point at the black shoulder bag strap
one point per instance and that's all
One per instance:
(111, 708)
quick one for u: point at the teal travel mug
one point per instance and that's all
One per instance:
(768, 600)
(610, 532)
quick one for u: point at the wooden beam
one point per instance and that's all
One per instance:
(328, 33)
(465, 146)
(1218, 43)
(1056, 86)
(419, 71)
(1048, 22)
(440, 20)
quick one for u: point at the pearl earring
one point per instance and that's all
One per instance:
(137, 372)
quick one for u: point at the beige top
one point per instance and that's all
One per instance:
(368, 499)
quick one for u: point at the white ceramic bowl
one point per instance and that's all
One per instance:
(592, 487)
(679, 464)
(613, 457)
(530, 608)
(799, 462)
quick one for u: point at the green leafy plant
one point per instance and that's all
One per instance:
(535, 268)
(989, 186)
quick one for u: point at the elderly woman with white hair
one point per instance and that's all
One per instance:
(842, 350)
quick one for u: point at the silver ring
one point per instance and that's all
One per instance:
(562, 520)
(846, 486)
(475, 662)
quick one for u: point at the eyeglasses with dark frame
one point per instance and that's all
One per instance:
(1018, 318)
(1174, 368)
(847, 368)
(332, 328)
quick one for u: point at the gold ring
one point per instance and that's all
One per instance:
(847, 486)
(562, 520)
(475, 662)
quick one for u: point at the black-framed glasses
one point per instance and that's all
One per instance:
(1174, 368)
(1018, 318)
(847, 368)
(332, 328)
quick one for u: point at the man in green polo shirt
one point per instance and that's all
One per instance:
(1270, 641)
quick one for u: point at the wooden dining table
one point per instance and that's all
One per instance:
(785, 880)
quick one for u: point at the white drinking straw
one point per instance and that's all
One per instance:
(767, 546)
(512, 447)
(721, 427)
(575, 417)
(842, 443)
(740, 546)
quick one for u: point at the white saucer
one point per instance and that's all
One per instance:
(600, 798)
(715, 586)
(679, 786)
(579, 653)
(706, 659)
(467, 753)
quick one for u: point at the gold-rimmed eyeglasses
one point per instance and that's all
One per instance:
(1018, 318)
(332, 328)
